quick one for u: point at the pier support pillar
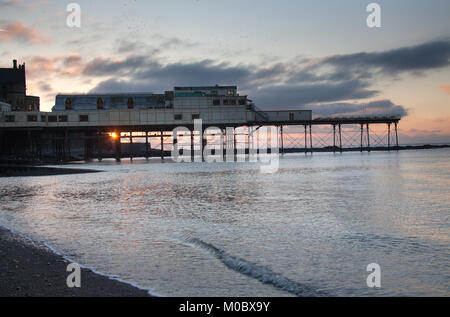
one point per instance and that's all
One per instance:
(100, 141)
(368, 137)
(389, 136)
(66, 146)
(282, 139)
(235, 142)
(162, 145)
(310, 138)
(340, 138)
(192, 146)
(131, 146)
(396, 135)
(306, 140)
(146, 146)
(334, 138)
(362, 137)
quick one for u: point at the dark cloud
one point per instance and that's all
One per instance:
(204, 72)
(373, 108)
(127, 46)
(288, 96)
(104, 67)
(72, 60)
(44, 86)
(158, 78)
(124, 86)
(408, 59)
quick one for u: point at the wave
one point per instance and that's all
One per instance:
(260, 273)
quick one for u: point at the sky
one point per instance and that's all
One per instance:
(285, 54)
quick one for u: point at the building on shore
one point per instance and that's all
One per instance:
(13, 89)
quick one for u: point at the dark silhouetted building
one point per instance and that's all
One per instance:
(13, 89)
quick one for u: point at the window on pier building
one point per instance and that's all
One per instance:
(62, 119)
(84, 118)
(9, 118)
(43, 118)
(195, 116)
(52, 118)
(232, 101)
(100, 105)
(68, 104)
(178, 117)
(130, 103)
(32, 118)
(216, 102)
(291, 116)
(225, 102)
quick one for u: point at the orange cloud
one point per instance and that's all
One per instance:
(19, 31)
(445, 88)
(39, 64)
(37, 4)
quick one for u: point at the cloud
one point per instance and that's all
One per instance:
(330, 86)
(40, 64)
(36, 4)
(20, 32)
(203, 72)
(421, 57)
(126, 46)
(122, 86)
(104, 66)
(373, 108)
(445, 88)
(288, 96)
(32, 5)
(72, 60)
(44, 86)
(9, 3)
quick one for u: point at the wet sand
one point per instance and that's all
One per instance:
(27, 269)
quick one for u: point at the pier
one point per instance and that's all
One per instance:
(67, 142)
(188, 119)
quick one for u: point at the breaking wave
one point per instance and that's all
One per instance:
(260, 273)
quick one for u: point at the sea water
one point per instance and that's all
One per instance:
(227, 229)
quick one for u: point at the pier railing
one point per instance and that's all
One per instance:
(260, 115)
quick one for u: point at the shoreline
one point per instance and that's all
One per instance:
(33, 270)
(14, 170)
(27, 167)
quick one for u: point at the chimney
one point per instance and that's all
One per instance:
(15, 64)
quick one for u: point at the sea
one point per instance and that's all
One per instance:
(312, 227)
